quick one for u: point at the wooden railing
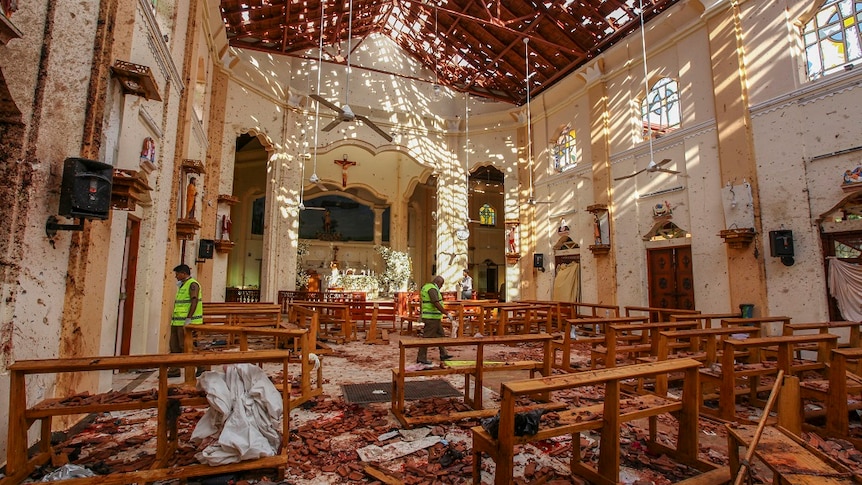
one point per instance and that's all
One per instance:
(242, 295)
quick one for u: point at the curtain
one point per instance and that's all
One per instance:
(845, 284)
(566, 284)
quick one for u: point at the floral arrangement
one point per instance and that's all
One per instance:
(302, 276)
(398, 270)
(359, 283)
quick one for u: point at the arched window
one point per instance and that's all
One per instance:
(487, 216)
(832, 37)
(565, 155)
(663, 113)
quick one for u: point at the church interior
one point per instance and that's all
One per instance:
(624, 188)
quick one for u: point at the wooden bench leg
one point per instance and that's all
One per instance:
(477, 466)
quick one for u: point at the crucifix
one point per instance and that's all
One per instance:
(345, 164)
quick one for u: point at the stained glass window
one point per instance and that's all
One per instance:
(565, 155)
(832, 37)
(487, 216)
(663, 113)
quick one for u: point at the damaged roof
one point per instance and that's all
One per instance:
(471, 46)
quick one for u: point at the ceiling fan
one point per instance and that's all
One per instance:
(652, 167)
(345, 112)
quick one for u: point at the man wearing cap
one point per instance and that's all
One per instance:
(188, 310)
(432, 314)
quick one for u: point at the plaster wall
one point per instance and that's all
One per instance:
(53, 103)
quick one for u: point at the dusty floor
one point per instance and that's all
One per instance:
(327, 432)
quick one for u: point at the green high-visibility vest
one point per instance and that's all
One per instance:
(182, 304)
(429, 310)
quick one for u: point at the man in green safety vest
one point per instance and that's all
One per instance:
(432, 315)
(188, 310)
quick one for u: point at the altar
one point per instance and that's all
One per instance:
(360, 282)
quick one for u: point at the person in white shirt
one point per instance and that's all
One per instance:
(466, 284)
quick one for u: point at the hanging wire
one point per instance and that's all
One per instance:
(467, 153)
(529, 122)
(436, 50)
(319, 72)
(646, 84)
(349, 39)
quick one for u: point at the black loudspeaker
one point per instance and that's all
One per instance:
(539, 261)
(781, 246)
(205, 249)
(86, 189)
(781, 243)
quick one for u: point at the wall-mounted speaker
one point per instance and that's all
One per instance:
(86, 189)
(205, 249)
(781, 243)
(539, 261)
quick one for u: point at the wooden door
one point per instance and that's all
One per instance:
(670, 278)
(126, 304)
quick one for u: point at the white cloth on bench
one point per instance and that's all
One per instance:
(245, 413)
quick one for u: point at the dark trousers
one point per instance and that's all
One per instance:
(433, 329)
(177, 341)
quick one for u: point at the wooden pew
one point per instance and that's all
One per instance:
(246, 314)
(22, 415)
(657, 314)
(607, 417)
(706, 319)
(730, 375)
(333, 319)
(766, 323)
(701, 344)
(375, 318)
(633, 340)
(843, 381)
(564, 343)
(473, 374)
(279, 337)
(562, 310)
(853, 341)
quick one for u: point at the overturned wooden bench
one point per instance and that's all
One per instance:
(607, 417)
(22, 415)
(473, 373)
(793, 461)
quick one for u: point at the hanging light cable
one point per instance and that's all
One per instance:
(463, 233)
(529, 117)
(314, 178)
(349, 48)
(646, 85)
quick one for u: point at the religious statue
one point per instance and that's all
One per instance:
(148, 151)
(511, 241)
(327, 221)
(597, 231)
(563, 228)
(333, 278)
(191, 195)
(225, 227)
(345, 164)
